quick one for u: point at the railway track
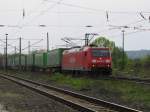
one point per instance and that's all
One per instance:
(80, 102)
(137, 80)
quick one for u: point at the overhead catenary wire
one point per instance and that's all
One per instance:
(129, 33)
(24, 13)
(14, 42)
(76, 6)
(126, 25)
(71, 5)
(5, 42)
(77, 26)
(36, 8)
(33, 44)
(42, 13)
(79, 6)
(10, 45)
(97, 10)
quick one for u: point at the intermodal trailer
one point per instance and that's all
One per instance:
(41, 60)
(11, 61)
(54, 59)
(17, 63)
(31, 61)
(2, 61)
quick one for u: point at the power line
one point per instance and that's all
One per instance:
(5, 43)
(128, 12)
(98, 10)
(14, 42)
(41, 3)
(127, 33)
(33, 44)
(135, 22)
(24, 11)
(42, 26)
(43, 12)
(76, 6)
(30, 39)
(121, 26)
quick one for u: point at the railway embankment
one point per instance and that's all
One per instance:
(127, 93)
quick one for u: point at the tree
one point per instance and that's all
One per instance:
(117, 57)
(146, 62)
(103, 42)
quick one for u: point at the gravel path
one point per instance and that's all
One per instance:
(14, 98)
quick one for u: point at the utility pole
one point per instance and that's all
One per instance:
(86, 39)
(15, 54)
(47, 42)
(6, 54)
(123, 53)
(15, 50)
(4, 62)
(29, 49)
(20, 53)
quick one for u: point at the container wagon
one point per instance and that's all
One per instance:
(2, 62)
(40, 61)
(54, 59)
(31, 62)
(17, 64)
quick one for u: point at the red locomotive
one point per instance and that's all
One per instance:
(87, 59)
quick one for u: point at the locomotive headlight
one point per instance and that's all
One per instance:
(107, 61)
(93, 61)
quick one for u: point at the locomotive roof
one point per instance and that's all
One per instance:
(85, 48)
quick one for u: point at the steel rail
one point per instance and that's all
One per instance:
(137, 80)
(84, 103)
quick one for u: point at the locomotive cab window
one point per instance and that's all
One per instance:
(100, 53)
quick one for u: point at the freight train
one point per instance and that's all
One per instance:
(78, 59)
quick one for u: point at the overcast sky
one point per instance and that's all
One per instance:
(69, 18)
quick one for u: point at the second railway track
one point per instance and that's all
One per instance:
(137, 80)
(78, 101)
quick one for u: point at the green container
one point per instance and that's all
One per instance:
(54, 57)
(23, 60)
(41, 60)
(45, 59)
(10, 61)
(16, 60)
(30, 60)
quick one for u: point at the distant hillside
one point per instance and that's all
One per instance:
(137, 54)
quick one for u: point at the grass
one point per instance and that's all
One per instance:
(137, 72)
(76, 83)
(126, 91)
